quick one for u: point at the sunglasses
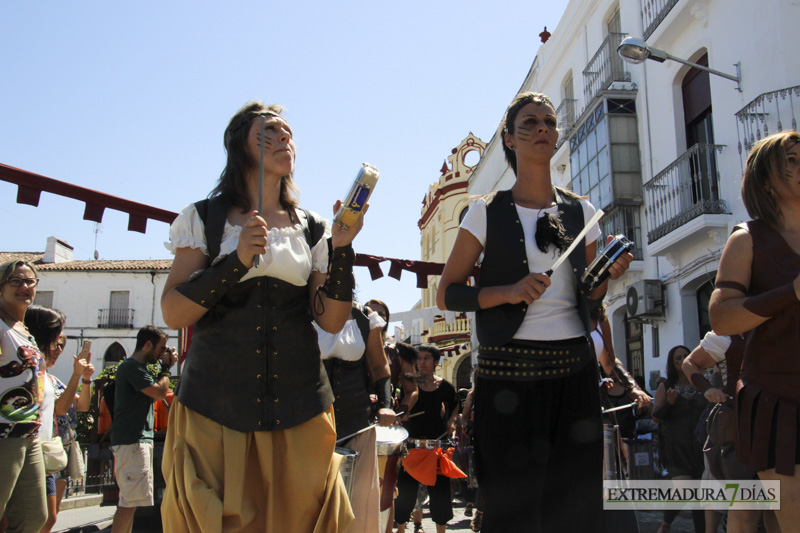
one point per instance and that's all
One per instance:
(60, 343)
(19, 282)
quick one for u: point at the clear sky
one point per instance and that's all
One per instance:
(131, 99)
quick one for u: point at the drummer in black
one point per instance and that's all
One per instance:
(437, 405)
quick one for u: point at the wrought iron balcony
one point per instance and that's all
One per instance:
(605, 68)
(115, 318)
(653, 13)
(686, 189)
(767, 114)
(566, 114)
(625, 220)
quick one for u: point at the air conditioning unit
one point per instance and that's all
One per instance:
(645, 299)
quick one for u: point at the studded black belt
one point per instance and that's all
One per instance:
(533, 360)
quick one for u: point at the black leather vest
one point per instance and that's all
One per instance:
(254, 361)
(505, 262)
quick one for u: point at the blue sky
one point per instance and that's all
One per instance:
(131, 98)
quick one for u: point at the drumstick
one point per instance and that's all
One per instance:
(575, 241)
(634, 404)
(416, 414)
(356, 433)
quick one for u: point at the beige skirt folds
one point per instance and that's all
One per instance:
(222, 480)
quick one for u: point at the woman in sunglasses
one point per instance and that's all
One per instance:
(47, 325)
(22, 383)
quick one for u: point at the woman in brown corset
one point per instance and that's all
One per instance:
(758, 289)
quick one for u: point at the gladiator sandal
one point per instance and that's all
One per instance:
(476, 522)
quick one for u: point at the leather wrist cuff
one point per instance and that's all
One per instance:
(772, 302)
(459, 297)
(209, 287)
(340, 282)
(86, 381)
(164, 375)
(620, 375)
(700, 382)
(383, 388)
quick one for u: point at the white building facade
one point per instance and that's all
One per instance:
(106, 302)
(661, 147)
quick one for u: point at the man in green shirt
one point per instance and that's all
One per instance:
(132, 429)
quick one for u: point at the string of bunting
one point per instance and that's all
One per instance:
(422, 269)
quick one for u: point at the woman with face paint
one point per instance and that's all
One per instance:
(251, 436)
(758, 289)
(537, 407)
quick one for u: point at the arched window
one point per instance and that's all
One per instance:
(114, 354)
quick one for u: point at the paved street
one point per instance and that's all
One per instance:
(98, 518)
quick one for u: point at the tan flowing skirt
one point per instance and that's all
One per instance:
(222, 480)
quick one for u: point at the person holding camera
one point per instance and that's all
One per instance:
(132, 431)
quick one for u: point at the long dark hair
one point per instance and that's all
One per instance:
(233, 180)
(45, 324)
(672, 372)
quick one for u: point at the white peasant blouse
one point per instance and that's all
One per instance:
(288, 255)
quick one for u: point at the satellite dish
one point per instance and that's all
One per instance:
(632, 301)
(96, 255)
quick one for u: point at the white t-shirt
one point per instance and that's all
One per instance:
(48, 410)
(348, 344)
(554, 316)
(288, 256)
(716, 346)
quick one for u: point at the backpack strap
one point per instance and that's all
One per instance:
(313, 227)
(213, 212)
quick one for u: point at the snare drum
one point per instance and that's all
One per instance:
(346, 468)
(598, 270)
(391, 439)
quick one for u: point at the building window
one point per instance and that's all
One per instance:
(634, 346)
(114, 354)
(604, 155)
(119, 314)
(703, 297)
(44, 298)
(589, 160)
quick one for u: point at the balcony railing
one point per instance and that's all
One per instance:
(115, 318)
(625, 220)
(605, 67)
(653, 12)
(461, 326)
(767, 114)
(566, 114)
(686, 189)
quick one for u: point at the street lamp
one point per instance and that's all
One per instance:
(637, 51)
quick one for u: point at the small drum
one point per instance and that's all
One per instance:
(428, 444)
(346, 468)
(598, 270)
(391, 439)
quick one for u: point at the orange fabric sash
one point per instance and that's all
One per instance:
(424, 464)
